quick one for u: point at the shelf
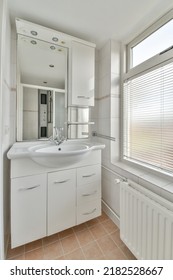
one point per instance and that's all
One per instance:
(80, 123)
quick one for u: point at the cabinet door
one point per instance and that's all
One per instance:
(28, 209)
(82, 74)
(61, 200)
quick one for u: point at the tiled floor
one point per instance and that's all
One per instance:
(97, 239)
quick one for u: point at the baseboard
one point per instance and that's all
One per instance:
(111, 214)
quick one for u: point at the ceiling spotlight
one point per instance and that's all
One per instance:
(34, 33)
(51, 65)
(52, 47)
(55, 39)
(33, 42)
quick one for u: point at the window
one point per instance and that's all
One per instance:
(148, 112)
(155, 43)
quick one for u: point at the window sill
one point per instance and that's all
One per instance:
(157, 183)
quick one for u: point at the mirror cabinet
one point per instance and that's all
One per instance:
(55, 83)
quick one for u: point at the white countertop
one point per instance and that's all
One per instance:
(21, 149)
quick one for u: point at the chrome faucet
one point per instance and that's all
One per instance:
(57, 138)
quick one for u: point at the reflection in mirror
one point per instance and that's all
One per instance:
(60, 115)
(41, 88)
(38, 116)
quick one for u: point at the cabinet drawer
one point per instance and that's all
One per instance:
(88, 174)
(88, 211)
(62, 178)
(89, 192)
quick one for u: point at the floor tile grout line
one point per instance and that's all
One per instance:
(80, 246)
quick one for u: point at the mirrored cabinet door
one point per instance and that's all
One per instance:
(42, 88)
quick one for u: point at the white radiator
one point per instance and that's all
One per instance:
(146, 222)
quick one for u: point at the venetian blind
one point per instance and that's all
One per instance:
(148, 118)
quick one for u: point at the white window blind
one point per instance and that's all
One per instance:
(148, 118)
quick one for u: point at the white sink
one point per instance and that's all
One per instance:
(51, 155)
(58, 155)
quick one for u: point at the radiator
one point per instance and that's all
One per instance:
(146, 223)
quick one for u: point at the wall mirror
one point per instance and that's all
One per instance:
(41, 88)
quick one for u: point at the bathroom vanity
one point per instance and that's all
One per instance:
(46, 200)
(53, 187)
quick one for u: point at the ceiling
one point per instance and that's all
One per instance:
(93, 20)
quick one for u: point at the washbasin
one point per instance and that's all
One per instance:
(52, 155)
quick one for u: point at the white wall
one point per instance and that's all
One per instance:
(107, 119)
(5, 140)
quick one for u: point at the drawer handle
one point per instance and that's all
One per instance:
(28, 189)
(88, 213)
(61, 182)
(84, 97)
(90, 175)
(89, 194)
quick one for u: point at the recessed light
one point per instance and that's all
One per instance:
(51, 65)
(55, 39)
(33, 42)
(34, 33)
(52, 47)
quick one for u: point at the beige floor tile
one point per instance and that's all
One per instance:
(109, 226)
(75, 255)
(115, 254)
(20, 257)
(33, 245)
(97, 231)
(80, 227)
(69, 244)
(92, 251)
(106, 244)
(127, 252)
(103, 218)
(35, 254)
(92, 222)
(65, 233)
(53, 251)
(60, 258)
(50, 239)
(15, 252)
(116, 238)
(84, 237)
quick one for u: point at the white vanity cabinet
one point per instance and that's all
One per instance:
(47, 200)
(82, 75)
(28, 209)
(61, 200)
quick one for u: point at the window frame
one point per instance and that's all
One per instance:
(153, 61)
(146, 66)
